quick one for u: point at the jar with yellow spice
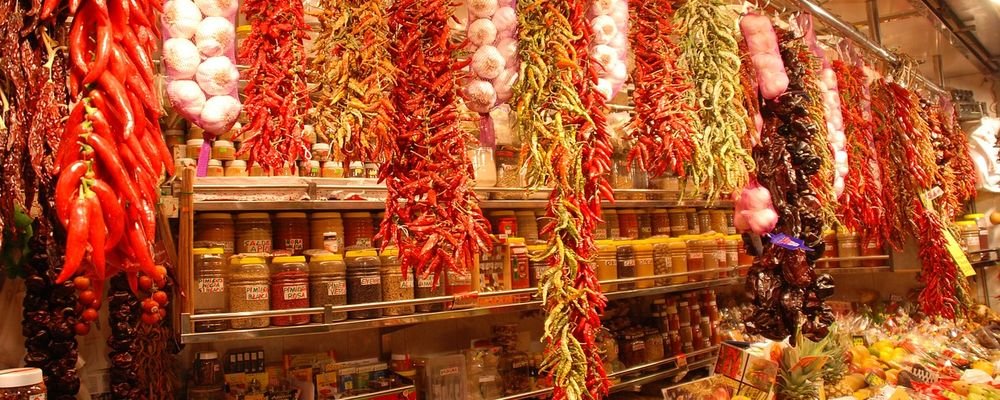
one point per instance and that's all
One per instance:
(678, 260)
(607, 267)
(643, 262)
(710, 257)
(695, 257)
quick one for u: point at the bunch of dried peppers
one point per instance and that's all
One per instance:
(431, 213)
(785, 290)
(560, 118)
(354, 74)
(277, 98)
(710, 51)
(665, 122)
(860, 206)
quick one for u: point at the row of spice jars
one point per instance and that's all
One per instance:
(623, 223)
(619, 259)
(288, 282)
(841, 246)
(294, 232)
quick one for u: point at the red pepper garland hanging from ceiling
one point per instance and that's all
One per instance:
(560, 115)
(277, 98)
(665, 122)
(431, 213)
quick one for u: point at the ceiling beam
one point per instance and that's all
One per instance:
(946, 17)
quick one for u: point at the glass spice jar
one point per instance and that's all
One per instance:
(289, 288)
(320, 224)
(607, 265)
(328, 284)
(653, 343)
(215, 169)
(611, 217)
(730, 223)
(22, 384)
(210, 287)
(249, 291)
(678, 218)
(527, 227)
(426, 288)
(704, 221)
(291, 232)
(364, 282)
(718, 221)
(458, 283)
(710, 258)
(872, 248)
(643, 263)
(358, 230)
(694, 228)
(659, 219)
(662, 263)
(253, 233)
(732, 248)
(628, 224)
(847, 246)
(332, 169)
(217, 229)
(394, 287)
(538, 267)
(236, 168)
(207, 369)
(678, 260)
(695, 258)
(625, 262)
(645, 223)
(830, 249)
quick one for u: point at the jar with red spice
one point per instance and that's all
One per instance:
(628, 224)
(291, 232)
(660, 221)
(506, 224)
(289, 288)
(696, 259)
(358, 230)
(458, 282)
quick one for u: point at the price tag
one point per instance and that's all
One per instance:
(170, 206)
(682, 360)
(859, 340)
(955, 250)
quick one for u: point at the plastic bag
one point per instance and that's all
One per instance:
(199, 54)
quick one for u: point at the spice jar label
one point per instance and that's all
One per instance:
(337, 288)
(293, 244)
(695, 256)
(257, 246)
(406, 284)
(257, 292)
(426, 282)
(211, 285)
(295, 292)
(371, 280)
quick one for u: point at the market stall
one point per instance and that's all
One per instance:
(492, 199)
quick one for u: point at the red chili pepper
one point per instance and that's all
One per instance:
(140, 59)
(113, 164)
(142, 252)
(79, 44)
(68, 184)
(48, 6)
(119, 96)
(98, 235)
(113, 214)
(102, 51)
(76, 239)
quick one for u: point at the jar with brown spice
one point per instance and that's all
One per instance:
(394, 287)
(358, 230)
(22, 384)
(625, 261)
(218, 230)
(659, 219)
(628, 224)
(323, 222)
(611, 217)
(249, 291)
(694, 228)
(328, 284)
(426, 288)
(210, 283)
(364, 282)
(253, 233)
(678, 218)
(653, 343)
(645, 223)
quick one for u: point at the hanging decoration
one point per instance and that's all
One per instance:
(609, 39)
(861, 207)
(665, 121)
(276, 97)
(561, 119)
(353, 73)
(832, 118)
(710, 51)
(431, 213)
(785, 290)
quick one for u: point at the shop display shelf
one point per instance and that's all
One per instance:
(984, 258)
(388, 392)
(508, 301)
(662, 369)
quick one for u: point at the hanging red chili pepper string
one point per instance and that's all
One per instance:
(664, 123)
(431, 212)
(277, 98)
(561, 118)
(860, 207)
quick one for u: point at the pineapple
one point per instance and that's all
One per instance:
(801, 370)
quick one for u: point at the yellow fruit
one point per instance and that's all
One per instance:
(854, 381)
(891, 376)
(960, 387)
(863, 394)
(984, 366)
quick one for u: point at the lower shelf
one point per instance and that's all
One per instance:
(388, 392)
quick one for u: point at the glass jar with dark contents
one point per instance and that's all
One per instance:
(22, 384)
(625, 259)
(364, 284)
(328, 284)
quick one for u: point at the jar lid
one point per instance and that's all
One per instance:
(734, 237)
(214, 163)
(966, 223)
(243, 29)
(237, 164)
(326, 215)
(207, 250)
(399, 357)
(290, 215)
(361, 253)
(357, 164)
(370, 165)
(703, 211)
(974, 216)
(537, 248)
(658, 211)
(253, 216)
(605, 244)
(390, 252)
(195, 142)
(240, 260)
(358, 215)
(504, 213)
(841, 231)
(642, 245)
(627, 211)
(333, 164)
(327, 257)
(208, 355)
(18, 377)
(718, 212)
(515, 240)
(222, 143)
(225, 216)
(320, 146)
(288, 259)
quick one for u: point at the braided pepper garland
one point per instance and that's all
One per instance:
(431, 212)
(710, 50)
(665, 121)
(860, 209)
(953, 156)
(562, 123)
(354, 74)
(907, 173)
(277, 98)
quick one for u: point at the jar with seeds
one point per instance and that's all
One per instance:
(249, 291)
